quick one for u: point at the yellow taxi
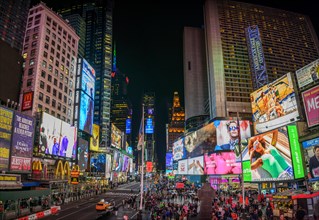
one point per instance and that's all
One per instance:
(103, 205)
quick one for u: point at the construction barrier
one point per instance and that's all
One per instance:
(52, 211)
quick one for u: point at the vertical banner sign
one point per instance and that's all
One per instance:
(311, 102)
(295, 152)
(256, 56)
(27, 101)
(246, 171)
(5, 137)
(95, 140)
(22, 143)
(149, 166)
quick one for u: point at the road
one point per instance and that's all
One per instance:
(85, 210)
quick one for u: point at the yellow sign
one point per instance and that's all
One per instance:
(95, 140)
(8, 178)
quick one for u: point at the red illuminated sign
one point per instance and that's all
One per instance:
(149, 167)
(27, 101)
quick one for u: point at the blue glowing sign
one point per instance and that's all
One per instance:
(149, 129)
(128, 126)
(88, 79)
(86, 113)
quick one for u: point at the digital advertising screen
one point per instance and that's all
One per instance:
(68, 140)
(182, 167)
(88, 79)
(149, 166)
(201, 141)
(222, 163)
(83, 147)
(149, 129)
(22, 143)
(274, 105)
(227, 132)
(125, 163)
(6, 117)
(128, 126)
(97, 162)
(86, 113)
(169, 161)
(131, 169)
(311, 154)
(267, 157)
(311, 103)
(108, 165)
(195, 166)
(129, 150)
(95, 139)
(116, 137)
(179, 151)
(308, 74)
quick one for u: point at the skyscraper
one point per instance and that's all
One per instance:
(50, 50)
(13, 20)
(176, 122)
(149, 125)
(289, 43)
(97, 15)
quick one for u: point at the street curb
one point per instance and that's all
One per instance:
(53, 210)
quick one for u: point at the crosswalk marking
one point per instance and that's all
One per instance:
(121, 194)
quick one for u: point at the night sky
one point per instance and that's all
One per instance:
(149, 39)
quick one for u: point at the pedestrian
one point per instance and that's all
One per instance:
(115, 209)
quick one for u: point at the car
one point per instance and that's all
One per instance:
(103, 206)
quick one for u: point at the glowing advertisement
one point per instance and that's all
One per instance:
(267, 157)
(182, 167)
(6, 117)
(95, 139)
(149, 167)
(117, 162)
(129, 150)
(296, 156)
(227, 135)
(83, 154)
(149, 129)
(125, 165)
(22, 142)
(116, 137)
(308, 74)
(169, 161)
(274, 105)
(257, 59)
(57, 137)
(201, 141)
(97, 162)
(195, 166)
(179, 152)
(88, 79)
(222, 163)
(311, 155)
(131, 169)
(311, 102)
(108, 165)
(128, 126)
(27, 101)
(86, 113)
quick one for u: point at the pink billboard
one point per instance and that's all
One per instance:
(311, 103)
(221, 163)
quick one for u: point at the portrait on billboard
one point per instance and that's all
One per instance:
(68, 140)
(274, 105)
(268, 156)
(222, 163)
(86, 113)
(311, 155)
(195, 166)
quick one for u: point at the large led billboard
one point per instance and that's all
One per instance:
(222, 163)
(6, 117)
(125, 165)
(274, 105)
(267, 157)
(201, 141)
(308, 74)
(195, 166)
(117, 162)
(116, 137)
(149, 129)
(82, 154)
(108, 165)
(97, 162)
(311, 102)
(182, 167)
(311, 155)
(22, 142)
(179, 151)
(88, 79)
(169, 161)
(95, 139)
(86, 113)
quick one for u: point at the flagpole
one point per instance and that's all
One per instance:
(241, 158)
(142, 169)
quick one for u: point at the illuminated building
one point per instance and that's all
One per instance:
(50, 50)
(13, 21)
(175, 127)
(98, 52)
(288, 39)
(149, 126)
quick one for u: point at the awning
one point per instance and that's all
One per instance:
(30, 184)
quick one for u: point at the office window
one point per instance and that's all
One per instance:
(29, 82)
(47, 100)
(48, 89)
(41, 84)
(54, 92)
(49, 78)
(30, 71)
(41, 96)
(43, 73)
(53, 103)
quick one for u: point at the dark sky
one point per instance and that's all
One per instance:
(148, 36)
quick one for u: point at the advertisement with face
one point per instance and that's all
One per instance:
(274, 105)
(195, 166)
(6, 117)
(95, 140)
(86, 113)
(308, 74)
(83, 154)
(267, 157)
(108, 164)
(116, 137)
(201, 141)
(311, 153)
(182, 167)
(311, 102)
(222, 163)
(97, 162)
(169, 161)
(115, 160)
(227, 132)
(179, 152)
(68, 140)
(22, 142)
(88, 79)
